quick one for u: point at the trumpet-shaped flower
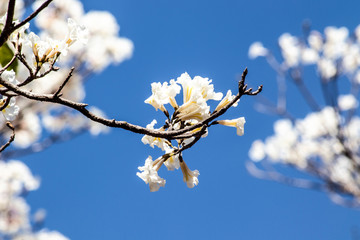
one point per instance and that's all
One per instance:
(11, 111)
(48, 50)
(76, 33)
(163, 94)
(197, 87)
(154, 141)
(238, 123)
(226, 100)
(172, 162)
(193, 109)
(149, 174)
(190, 177)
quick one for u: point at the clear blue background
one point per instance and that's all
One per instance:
(89, 186)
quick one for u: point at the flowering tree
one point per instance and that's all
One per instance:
(42, 78)
(325, 143)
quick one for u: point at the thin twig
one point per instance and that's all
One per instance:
(34, 14)
(7, 30)
(8, 64)
(57, 93)
(11, 139)
(275, 176)
(9, 27)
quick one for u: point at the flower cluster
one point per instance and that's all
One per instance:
(334, 53)
(326, 142)
(68, 46)
(15, 219)
(193, 110)
(67, 37)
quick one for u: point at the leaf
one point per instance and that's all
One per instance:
(6, 55)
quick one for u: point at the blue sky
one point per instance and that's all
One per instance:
(89, 187)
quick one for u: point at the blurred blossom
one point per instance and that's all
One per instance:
(257, 50)
(290, 49)
(39, 216)
(257, 151)
(14, 217)
(28, 131)
(327, 68)
(309, 56)
(347, 102)
(50, 235)
(315, 40)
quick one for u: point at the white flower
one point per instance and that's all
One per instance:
(19, 36)
(48, 50)
(194, 109)
(28, 131)
(238, 123)
(309, 56)
(50, 235)
(347, 102)
(326, 68)
(10, 77)
(290, 49)
(315, 40)
(257, 50)
(96, 20)
(190, 177)
(335, 44)
(336, 35)
(226, 100)
(163, 94)
(150, 175)
(11, 110)
(173, 161)
(154, 141)
(76, 33)
(257, 151)
(197, 88)
(16, 216)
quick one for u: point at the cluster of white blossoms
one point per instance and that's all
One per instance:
(334, 53)
(326, 143)
(193, 110)
(67, 37)
(41, 62)
(16, 221)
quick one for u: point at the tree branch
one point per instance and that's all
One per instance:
(81, 107)
(11, 139)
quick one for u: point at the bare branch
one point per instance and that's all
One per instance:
(81, 107)
(11, 139)
(9, 25)
(275, 176)
(8, 64)
(57, 93)
(34, 14)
